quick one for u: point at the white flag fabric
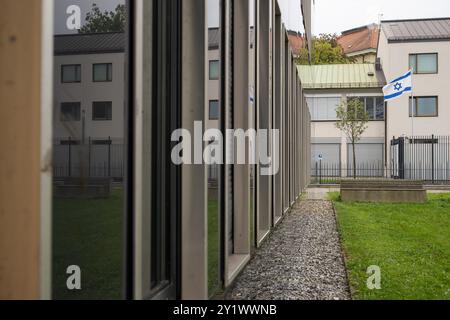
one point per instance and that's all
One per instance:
(398, 87)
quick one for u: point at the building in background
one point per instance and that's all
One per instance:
(88, 84)
(214, 66)
(361, 43)
(326, 87)
(420, 144)
(422, 45)
(89, 111)
(297, 41)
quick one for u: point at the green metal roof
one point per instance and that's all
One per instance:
(341, 76)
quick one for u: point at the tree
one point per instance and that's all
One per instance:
(326, 50)
(105, 21)
(352, 120)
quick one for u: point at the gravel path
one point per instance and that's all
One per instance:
(302, 260)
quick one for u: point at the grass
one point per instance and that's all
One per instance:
(213, 247)
(88, 233)
(409, 242)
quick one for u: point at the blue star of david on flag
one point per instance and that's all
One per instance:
(398, 87)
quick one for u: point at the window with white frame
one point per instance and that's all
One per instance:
(323, 108)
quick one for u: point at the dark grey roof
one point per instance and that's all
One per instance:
(417, 30)
(89, 43)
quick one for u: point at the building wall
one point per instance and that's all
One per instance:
(213, 90)
(395, 62)
(87, 92)
(327, 134)
(364, 58)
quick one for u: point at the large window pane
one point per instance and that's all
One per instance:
(71, 73)
(424, 63)
(427, 63)
(89, 155)
(214, 111)
(323, 109)
(102, 72)
(379, 108)
(370, 108)
(424, 107)
(102, 111)
(214, 70)
(70, 111)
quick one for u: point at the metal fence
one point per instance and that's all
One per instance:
(93, 159)
(424, 158)
(332, 173)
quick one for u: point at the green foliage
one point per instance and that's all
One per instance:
(105, 21)
(352, 120)
(326, 50)
(409, 242)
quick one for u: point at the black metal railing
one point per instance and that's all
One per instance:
(424, 158)
(96, 158)
(332, 173)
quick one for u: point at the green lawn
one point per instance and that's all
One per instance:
(88, 233)
(409, 242)
(213, 247)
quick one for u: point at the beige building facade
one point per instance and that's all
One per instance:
(422, 45)
(328, 86)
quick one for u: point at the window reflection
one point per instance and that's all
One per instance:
(88, 135)
(214, 117)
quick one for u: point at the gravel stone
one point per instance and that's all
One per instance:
(302, 260)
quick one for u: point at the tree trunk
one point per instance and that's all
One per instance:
(354, 160)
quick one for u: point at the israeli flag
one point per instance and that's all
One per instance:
(398, 87)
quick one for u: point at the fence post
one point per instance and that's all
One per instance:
(320, 171)
(317, 171)
(401, 158)
(70, 157)
(89, 152)
(109, 157)
(432, 159)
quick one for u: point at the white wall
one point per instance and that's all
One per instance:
(395, 61)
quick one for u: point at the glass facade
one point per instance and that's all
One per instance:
(89, 150)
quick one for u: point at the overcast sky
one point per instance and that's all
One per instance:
(85, 6)
(335, 16)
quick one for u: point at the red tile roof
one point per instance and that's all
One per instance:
(297, 42)
(360, 39)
